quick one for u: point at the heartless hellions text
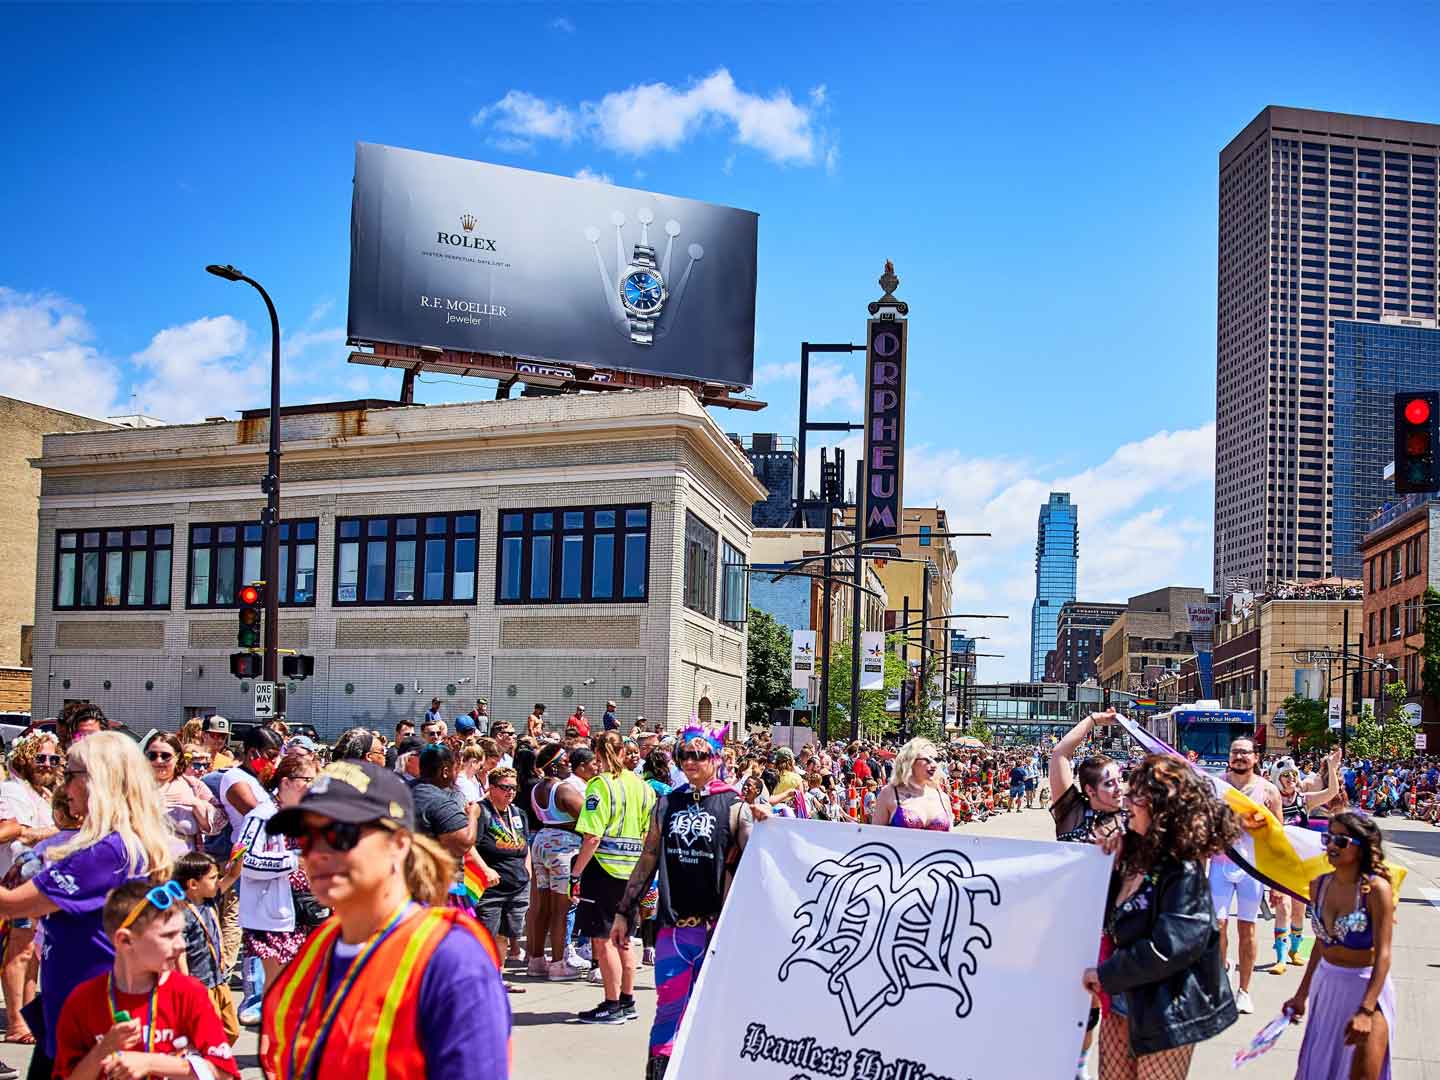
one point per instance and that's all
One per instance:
(806, 1053)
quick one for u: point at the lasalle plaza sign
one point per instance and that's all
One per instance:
(868, 953)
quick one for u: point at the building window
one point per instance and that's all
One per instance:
(113, 568)
(924, 535)
(223, 557)
(702, 546)
(1394, 621)
(574, 555)
(734, 586)
(416, 560)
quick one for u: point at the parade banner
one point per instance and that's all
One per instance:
(802, 659)
(481, 258)
(872, 660)
(858, 952)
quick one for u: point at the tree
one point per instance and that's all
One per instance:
(980, 730)
(1390, 737)
(1430, 672)
(875, 722)
(1308, 721)
(767, 668)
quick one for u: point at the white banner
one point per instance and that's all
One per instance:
(1334, 714)
(864, 953)
(802, 659)
(872, 660)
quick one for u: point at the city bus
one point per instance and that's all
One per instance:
(1203, 727)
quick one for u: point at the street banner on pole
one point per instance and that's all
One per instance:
(1202, 637)
(1420, 741)
(882, 502)
(802, 659)
(1334, 714)
(872, 660)
(854, 951)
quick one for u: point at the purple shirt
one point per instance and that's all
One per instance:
(76, 947)
(464, 1012)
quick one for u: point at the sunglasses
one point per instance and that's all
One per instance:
(160, 897)
(199, 764)
(692, 755)
(341, 836)
(156, 755)
(48, 759)
(503, 787)
(1338, 841)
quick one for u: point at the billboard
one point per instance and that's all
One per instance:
(482, 258)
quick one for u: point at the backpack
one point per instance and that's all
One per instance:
(219, 846)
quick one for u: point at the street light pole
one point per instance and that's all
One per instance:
(857, 563)
(270, 553)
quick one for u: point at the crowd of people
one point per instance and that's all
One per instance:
(358, 895)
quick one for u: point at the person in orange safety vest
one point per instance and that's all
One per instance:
(377, 988)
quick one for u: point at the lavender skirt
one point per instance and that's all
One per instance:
(1335, 994)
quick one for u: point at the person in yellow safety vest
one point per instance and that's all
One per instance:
(376, 989)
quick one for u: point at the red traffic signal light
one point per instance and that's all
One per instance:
(250, 596)
(251, 614)
(1417, 410)
(1417, 455)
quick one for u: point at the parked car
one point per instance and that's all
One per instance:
(13, 725)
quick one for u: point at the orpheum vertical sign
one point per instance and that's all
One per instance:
(884, 426)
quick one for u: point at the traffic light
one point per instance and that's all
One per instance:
(297, 666)
(245, 665)
(252, 614)
(1417, 423)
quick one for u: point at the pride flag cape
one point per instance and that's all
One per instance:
(1284, 857)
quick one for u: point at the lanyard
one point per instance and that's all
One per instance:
(150, 1009)
(317, 1047)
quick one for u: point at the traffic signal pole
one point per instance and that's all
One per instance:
(270, 556)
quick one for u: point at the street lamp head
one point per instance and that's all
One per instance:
(228, 272)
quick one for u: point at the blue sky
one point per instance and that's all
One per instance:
(1043, 177)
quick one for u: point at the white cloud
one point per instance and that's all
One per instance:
(1144, 523)
(831, 384)
(199, 369)
(587, 173)
(657, 116)
(46, 356)
(562, 24)
(524, 116)
(320, 310)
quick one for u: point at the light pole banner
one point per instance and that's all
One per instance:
(802, 659)
(1334, 713)
(872, 660)
(857, 952)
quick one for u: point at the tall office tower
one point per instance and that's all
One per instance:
(1327, 242)
(1057, 554)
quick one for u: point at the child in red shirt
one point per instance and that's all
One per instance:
(143, 1018)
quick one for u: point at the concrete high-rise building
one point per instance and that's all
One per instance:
(1057, 555)
(1327, 231)
(773, 459)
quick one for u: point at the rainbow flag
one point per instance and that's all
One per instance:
(471, 887)
(1284, 857)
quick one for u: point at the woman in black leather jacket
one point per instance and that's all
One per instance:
(1165, 976)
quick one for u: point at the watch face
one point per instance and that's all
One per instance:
(642, 291)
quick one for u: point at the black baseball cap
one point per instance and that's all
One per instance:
(409, 745)
(354, 792)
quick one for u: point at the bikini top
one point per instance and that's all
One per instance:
(904, 819)
(1352, 931)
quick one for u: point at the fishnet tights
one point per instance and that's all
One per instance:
(1118, 1063)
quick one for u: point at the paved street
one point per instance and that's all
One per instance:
(549, 1044)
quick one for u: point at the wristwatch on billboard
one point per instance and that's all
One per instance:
(642, 294)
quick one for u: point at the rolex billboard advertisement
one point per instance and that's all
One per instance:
(482, 258)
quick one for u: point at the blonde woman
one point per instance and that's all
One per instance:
(913, 800)
(124, 835)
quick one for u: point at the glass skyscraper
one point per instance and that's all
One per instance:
(1372, 362)
(1057, 554)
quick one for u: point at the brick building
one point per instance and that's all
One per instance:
(1400, 561)
(1149, 638)
(1079, 636)
(565, 549)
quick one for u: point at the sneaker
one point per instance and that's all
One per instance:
(629, 1010)
(1279, 968)
(574, 959)
(596, 977)
(250, 1017)
(1243, 1003)
(1296, 960)
(648, 957)
(607, 1012)
(516, 961)
(560, 971)
(537, 966)
(584, 950)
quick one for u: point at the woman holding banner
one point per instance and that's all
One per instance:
(1352, 1023)
(913, 800)
(1165, 977)
(1295, 807)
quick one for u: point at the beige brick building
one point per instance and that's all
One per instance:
(562, 550)
(21, 427)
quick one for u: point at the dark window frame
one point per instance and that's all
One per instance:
(288, 545)
(451, 537)
(733, 576)
(588, 531)
(709, 543)
(102, 547)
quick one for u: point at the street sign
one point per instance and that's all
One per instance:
(264, 701)
(1278, 725)
(1334, 713)
(1312, 657)
(1420, 741)
(1412, 713)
